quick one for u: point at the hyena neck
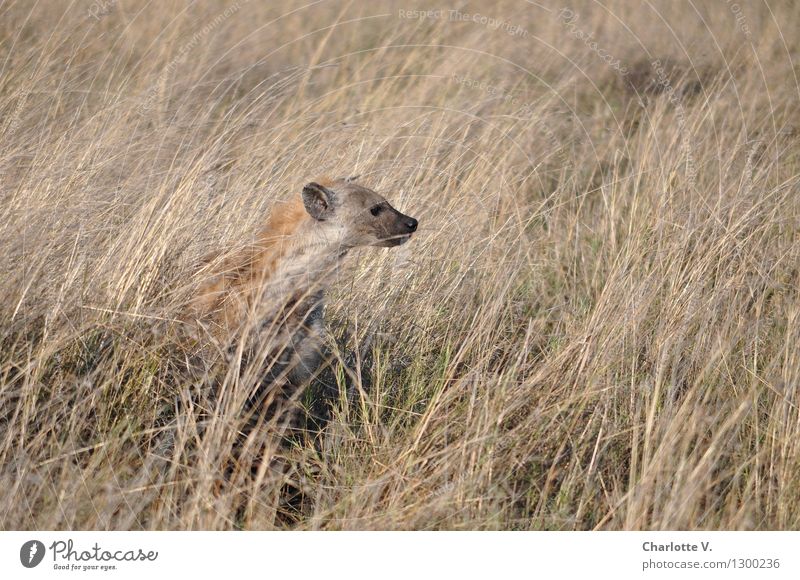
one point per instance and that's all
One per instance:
(293, 260)
(306, 261)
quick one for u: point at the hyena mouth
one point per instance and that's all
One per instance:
(397, 240)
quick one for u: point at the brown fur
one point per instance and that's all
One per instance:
(225, 299)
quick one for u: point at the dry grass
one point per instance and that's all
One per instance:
(597, 327)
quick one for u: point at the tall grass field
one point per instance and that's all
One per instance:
(596, 326)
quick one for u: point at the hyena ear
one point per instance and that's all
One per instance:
(318, 200)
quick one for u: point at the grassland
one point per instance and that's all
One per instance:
(597, 327)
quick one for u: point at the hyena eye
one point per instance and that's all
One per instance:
(376, 209)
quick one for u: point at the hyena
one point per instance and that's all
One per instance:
(271, 294)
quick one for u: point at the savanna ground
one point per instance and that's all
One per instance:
(596, 327)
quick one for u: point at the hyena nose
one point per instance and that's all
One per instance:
(411, 224)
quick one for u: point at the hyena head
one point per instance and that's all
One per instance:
(358, 215)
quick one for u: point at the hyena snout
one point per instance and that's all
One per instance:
(401, 229)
